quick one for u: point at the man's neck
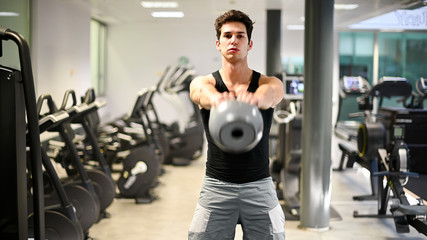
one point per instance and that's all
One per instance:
(236, 73)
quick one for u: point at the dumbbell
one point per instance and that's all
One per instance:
(235, 126)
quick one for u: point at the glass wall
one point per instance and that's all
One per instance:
(293, 65)
(356, 54)
(402, 54)
(14, 15)
(356, 51)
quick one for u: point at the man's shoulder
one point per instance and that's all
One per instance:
(200, 82)
(268, 78)
(205, 78)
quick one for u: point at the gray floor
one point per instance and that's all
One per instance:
(169, 217)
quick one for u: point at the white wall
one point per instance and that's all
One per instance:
(292, 43)
(60, 47)
(139, 52)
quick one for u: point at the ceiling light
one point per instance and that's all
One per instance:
(392, 30)
(295, 27)
(167, 14)
(147, 4)
(9, 14)
(345, 6)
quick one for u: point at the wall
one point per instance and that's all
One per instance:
(60, 47)
(292, 43)
(139, 52)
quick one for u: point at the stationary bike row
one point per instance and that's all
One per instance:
(186, 135)
(37, 203)
(133, 142)
(141, 160)
(80, 199)
(286, 156)
(181, 141)
(384, 143)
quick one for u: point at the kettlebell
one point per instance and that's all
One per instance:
(235, 126)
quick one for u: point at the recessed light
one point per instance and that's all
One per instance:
(9, 14)
(148, 4)
(167, 14)
(295, 27)
(345, 6)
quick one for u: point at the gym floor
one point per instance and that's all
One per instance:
(169, 217)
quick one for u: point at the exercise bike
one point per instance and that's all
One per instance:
(350, 89)
(131, 142)
(286, 160)
(186, 136)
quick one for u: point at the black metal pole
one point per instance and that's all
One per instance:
(274, 61)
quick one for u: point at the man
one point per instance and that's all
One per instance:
(237, 188)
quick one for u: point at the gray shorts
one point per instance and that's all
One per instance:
(222, 205)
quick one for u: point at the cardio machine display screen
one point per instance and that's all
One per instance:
(294, 88)
(398, 132)
(352, 83)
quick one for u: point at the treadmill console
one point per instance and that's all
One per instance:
(354, 85)
(294, 87)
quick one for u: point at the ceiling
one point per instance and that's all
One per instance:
(125, 11)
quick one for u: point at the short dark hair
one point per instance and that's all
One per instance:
(234, 16)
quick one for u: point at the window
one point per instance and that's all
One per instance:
(98, 31)
(356, 51)
(356, 54)
(403, 55)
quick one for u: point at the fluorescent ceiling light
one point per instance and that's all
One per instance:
(9, 14)
(392, 30)
(167, 14)
(345, 6)
(295, 27)
(148, 4)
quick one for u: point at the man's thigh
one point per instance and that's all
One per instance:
(261, 214)
(216, 213)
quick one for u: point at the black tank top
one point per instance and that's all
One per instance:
(244, 167)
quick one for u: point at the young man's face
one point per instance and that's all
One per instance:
(233, 42)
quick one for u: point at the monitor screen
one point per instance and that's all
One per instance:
(352, 83)
(294, 88)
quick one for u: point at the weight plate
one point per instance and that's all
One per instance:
(87, 210)
(104, 186)
(58, 227)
